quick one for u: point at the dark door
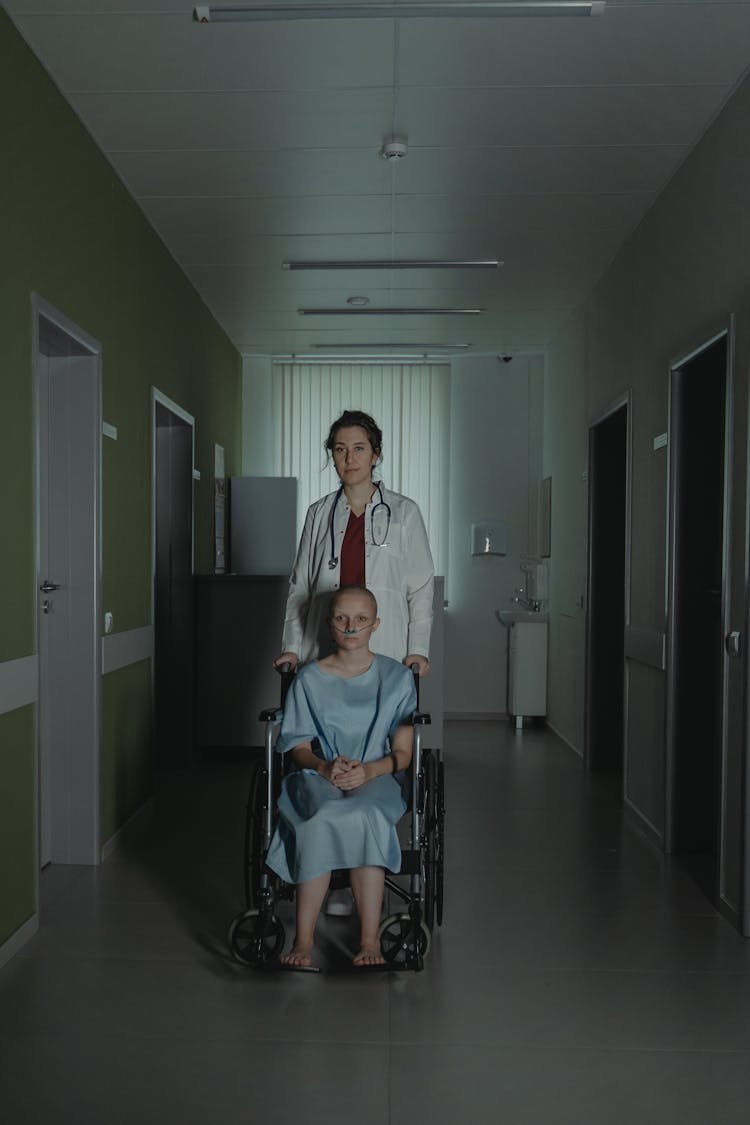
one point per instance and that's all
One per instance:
(697, 652)
(173, 593)
(605, 663)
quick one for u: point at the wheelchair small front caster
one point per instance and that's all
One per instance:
(256, 937)
(397, 942)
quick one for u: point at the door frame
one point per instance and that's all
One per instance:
(158, 396)
(88, 802)
(725, 328)
(626, 400)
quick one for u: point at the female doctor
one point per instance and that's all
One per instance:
(363, 534)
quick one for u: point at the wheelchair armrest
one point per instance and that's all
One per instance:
(271, 715)
(421, 719)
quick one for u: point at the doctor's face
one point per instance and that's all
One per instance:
(353, 455)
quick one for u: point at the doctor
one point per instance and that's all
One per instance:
(363, 535)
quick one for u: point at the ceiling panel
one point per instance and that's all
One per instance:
(532, 280)
(498, 214)
(176, 120)
(542, 142)
(655, 44)
(531, 284)
(141, 51)
(57, 7)
(571, 170)
(208, 247)
(263, 173)
(640, 168)
(550, 115)
(226, 219)
(246, 220)
(520, 330)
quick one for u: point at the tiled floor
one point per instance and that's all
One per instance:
(578, 978)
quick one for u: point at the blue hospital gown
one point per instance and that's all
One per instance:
(322, 828)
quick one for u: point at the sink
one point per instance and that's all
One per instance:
(509, 617)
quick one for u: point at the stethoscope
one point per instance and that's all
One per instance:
(333, 561)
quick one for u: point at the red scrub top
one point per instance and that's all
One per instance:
(353, 552)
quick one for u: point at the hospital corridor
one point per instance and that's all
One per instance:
(339, 336)
(578, 976)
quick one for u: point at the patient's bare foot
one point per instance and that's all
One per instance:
(298, 955)
(369, 955)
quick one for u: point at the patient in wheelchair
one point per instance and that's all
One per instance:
(347, 723)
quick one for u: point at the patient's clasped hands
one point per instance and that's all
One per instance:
(345, 774)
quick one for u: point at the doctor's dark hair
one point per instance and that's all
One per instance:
(365, 422)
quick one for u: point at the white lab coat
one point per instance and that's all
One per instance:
(399, 572)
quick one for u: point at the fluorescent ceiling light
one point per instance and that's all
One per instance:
(398, 264)
(418, 357)
(483, 9)
(373, 347)
(390, 312)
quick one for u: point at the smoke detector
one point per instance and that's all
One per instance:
(394, 150)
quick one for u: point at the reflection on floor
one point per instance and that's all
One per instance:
(578, 978)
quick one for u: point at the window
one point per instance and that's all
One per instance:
(410, 403)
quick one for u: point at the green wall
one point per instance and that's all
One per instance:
(126, 770)
(17, 849)
(73, 235)
(675, 282)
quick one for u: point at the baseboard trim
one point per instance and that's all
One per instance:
(642, 824)
(114, 842)
(17, 940)
(476, 716)
(731, 914)
(563, 738)
(19, 683)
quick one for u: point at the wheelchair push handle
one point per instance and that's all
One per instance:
(414, 669)
(419, 718)
(273, 714)
(286, 671)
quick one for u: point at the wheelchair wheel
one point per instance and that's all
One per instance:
(254, 939)
(395, 935)
(254, 837)
(430, 837)
(439, 841)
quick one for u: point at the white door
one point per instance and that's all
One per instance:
(68, 569)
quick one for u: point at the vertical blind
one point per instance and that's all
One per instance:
(410, 403)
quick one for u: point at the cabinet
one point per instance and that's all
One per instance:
(238, 623)
(527, 669)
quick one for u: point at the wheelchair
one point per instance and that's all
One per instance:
(256, 936)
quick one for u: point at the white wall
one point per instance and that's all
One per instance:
(496, 449)
(495, 452)
(257, 417)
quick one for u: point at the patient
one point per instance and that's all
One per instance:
(340, 808)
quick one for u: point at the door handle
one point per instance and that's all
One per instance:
(49, 587)
(733, 643)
